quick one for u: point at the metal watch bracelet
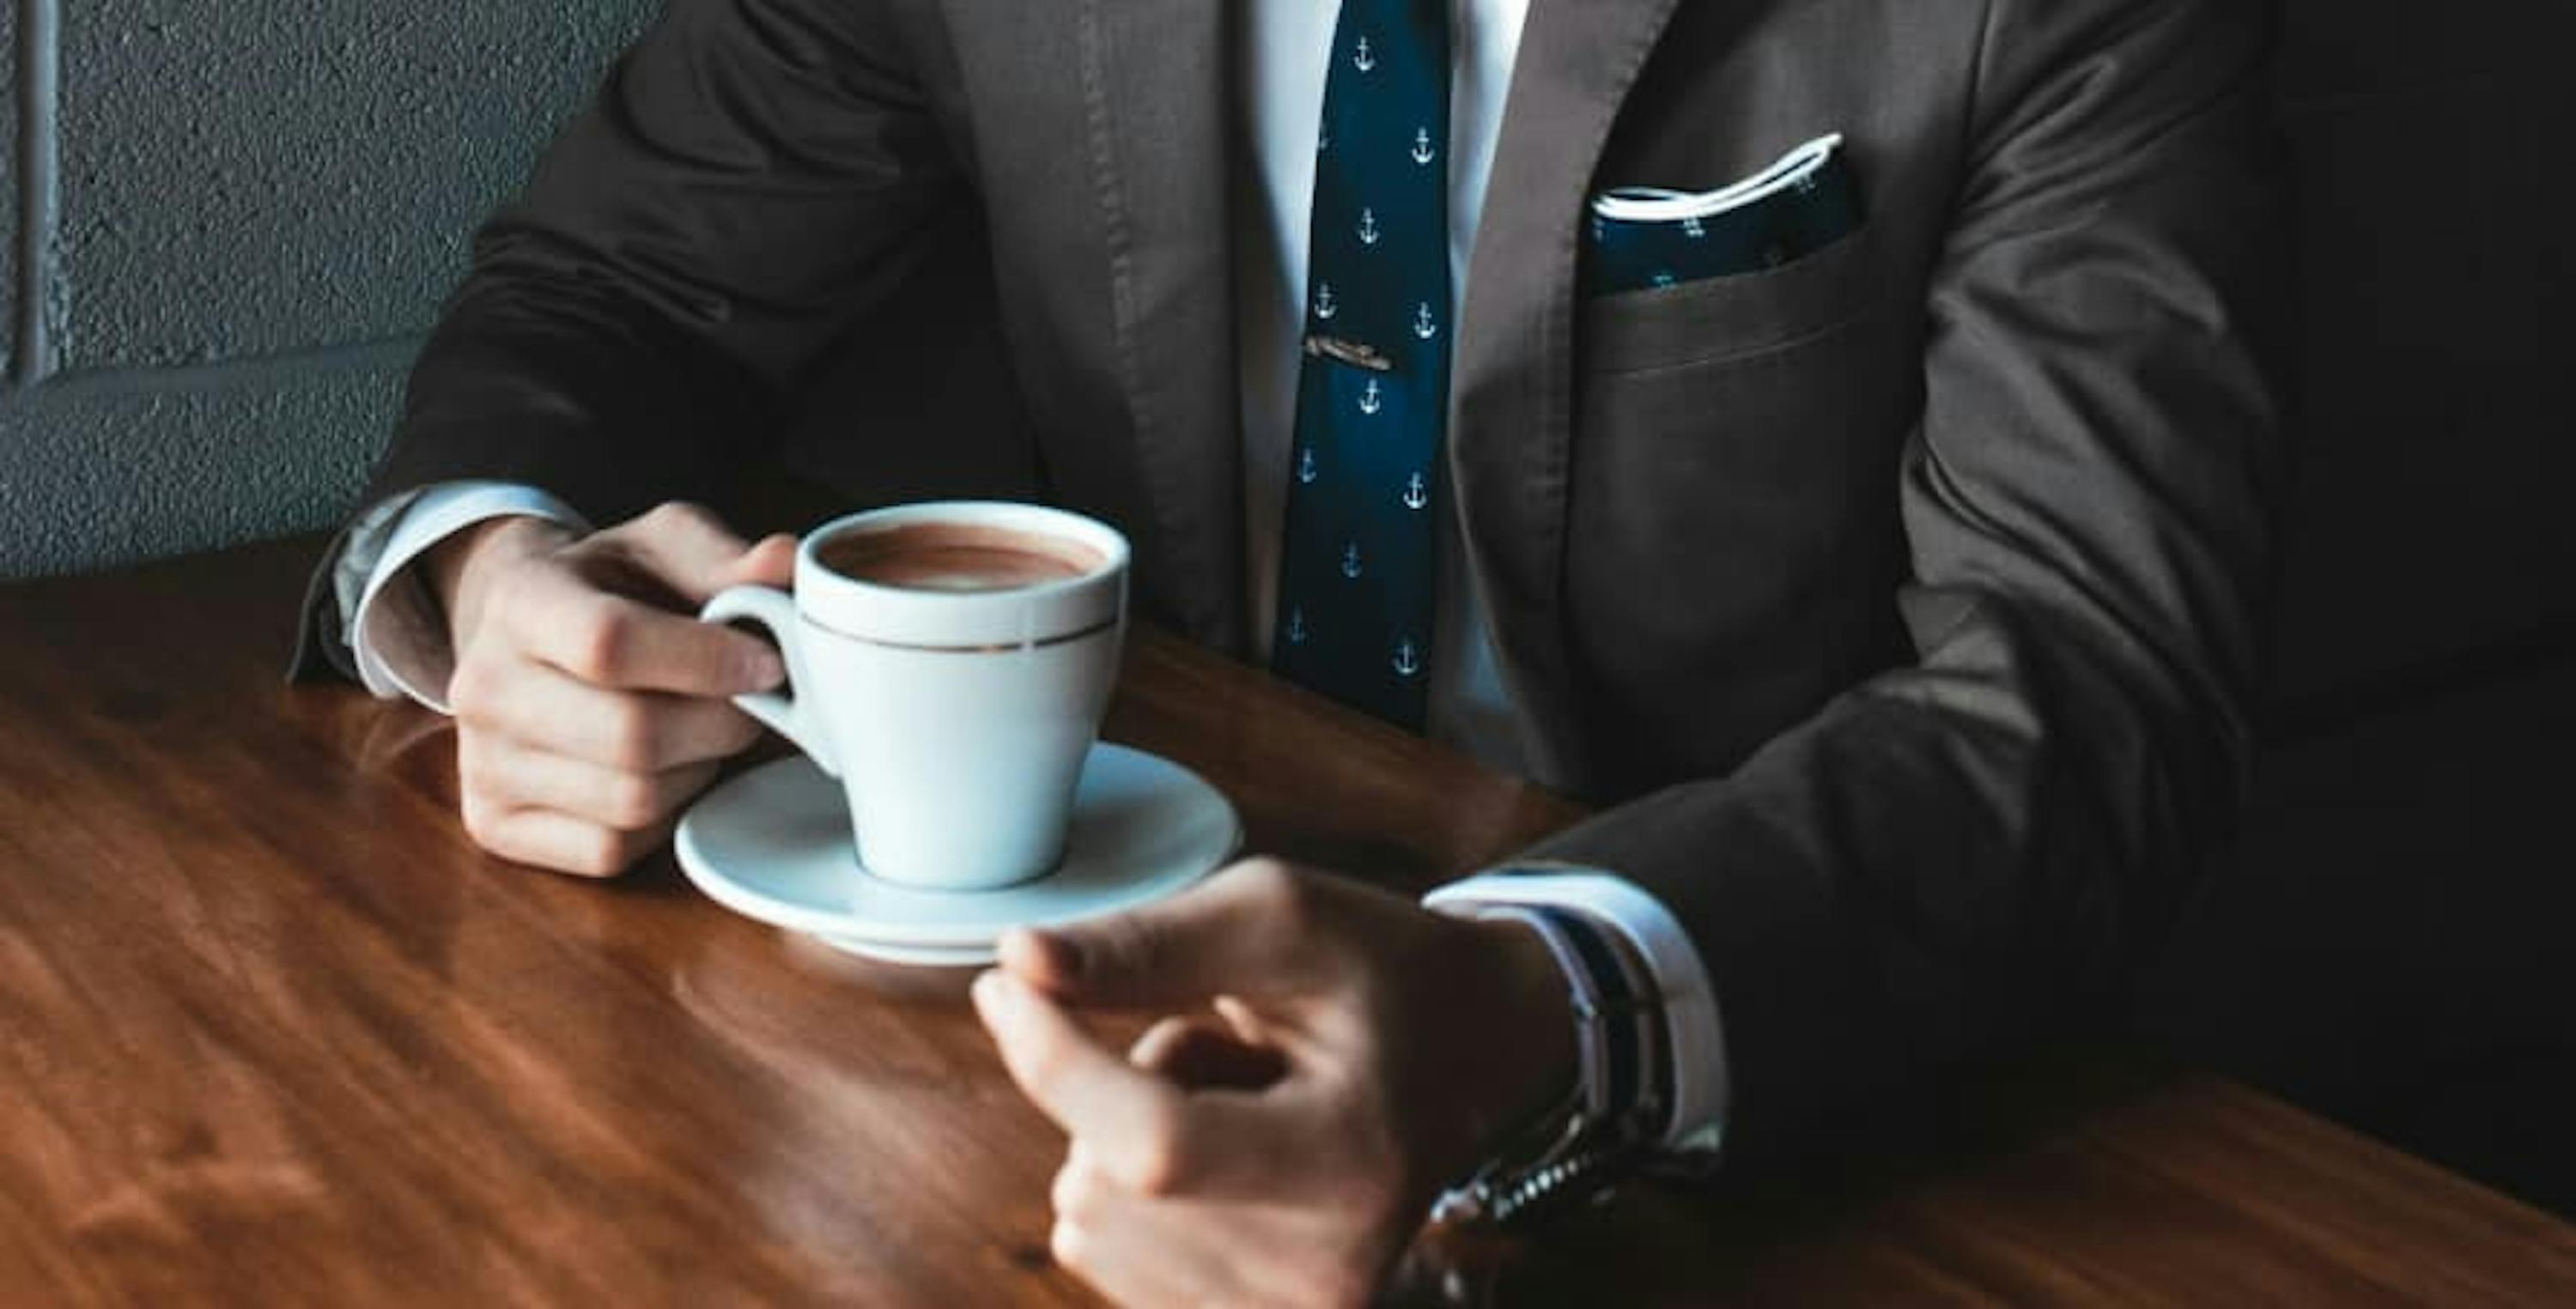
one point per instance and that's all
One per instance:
(1581, 1144)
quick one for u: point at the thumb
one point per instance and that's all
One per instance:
(688, 549)
(1247, 931)
(771, 561)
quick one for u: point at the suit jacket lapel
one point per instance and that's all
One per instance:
(1156, 78)
(1512, 398)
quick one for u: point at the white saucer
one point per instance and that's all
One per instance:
(774, 844)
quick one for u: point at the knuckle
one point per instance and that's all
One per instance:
(735, 731)
(691, 512)
(506, 590)
(1154, 1172)
(1073, 1192)
(603, 853)
(1267, 879)
(473, 755)
(1067, 1244)
(631, 734)
(469, 688)
(601, 644)
(679, 788)
(481, 818)
(1160, 1163)
(678, 515)
(1282, 896)
(482, 799)
(511, 599)
(483, 692)
(585, 560)
(634, 801)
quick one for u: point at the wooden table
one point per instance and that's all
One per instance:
(272, 1031)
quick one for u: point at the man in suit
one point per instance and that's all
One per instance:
(1895, 593)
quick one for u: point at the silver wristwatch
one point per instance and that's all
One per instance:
(1614, 1113)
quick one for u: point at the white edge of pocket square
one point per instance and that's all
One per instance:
(1652, 204)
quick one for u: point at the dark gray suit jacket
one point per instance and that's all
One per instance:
(1901, 600)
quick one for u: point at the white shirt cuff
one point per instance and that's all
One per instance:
(1701, 1085)
(396, 633)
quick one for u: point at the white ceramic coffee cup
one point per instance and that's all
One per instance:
(956, 721)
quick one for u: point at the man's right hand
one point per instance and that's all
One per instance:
(590, 702)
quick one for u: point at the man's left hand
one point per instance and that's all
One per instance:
(1331, 1056)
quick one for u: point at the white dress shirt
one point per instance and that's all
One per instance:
(400, 649)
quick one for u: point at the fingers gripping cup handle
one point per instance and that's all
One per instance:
(791, 713)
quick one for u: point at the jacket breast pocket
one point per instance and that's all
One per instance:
(1733, 544)
(1745, 313)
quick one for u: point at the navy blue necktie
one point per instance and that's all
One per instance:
(1356, 567)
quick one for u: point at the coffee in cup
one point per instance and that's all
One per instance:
(949, 663)
(963, 557)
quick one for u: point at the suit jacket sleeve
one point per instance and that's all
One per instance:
(750, 181)
(1952, 857)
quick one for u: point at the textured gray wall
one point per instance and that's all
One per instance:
(230, 222)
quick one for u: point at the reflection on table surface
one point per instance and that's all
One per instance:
(273, 1029)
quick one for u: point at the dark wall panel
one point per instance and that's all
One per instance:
(2434, 153)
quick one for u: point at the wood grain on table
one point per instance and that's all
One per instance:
(272, 1031)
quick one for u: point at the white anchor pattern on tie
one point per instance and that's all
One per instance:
(1355, 574)
(1408, 659)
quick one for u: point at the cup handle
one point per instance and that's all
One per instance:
(775, 612)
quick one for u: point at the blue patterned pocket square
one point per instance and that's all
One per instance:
(1649, 237)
